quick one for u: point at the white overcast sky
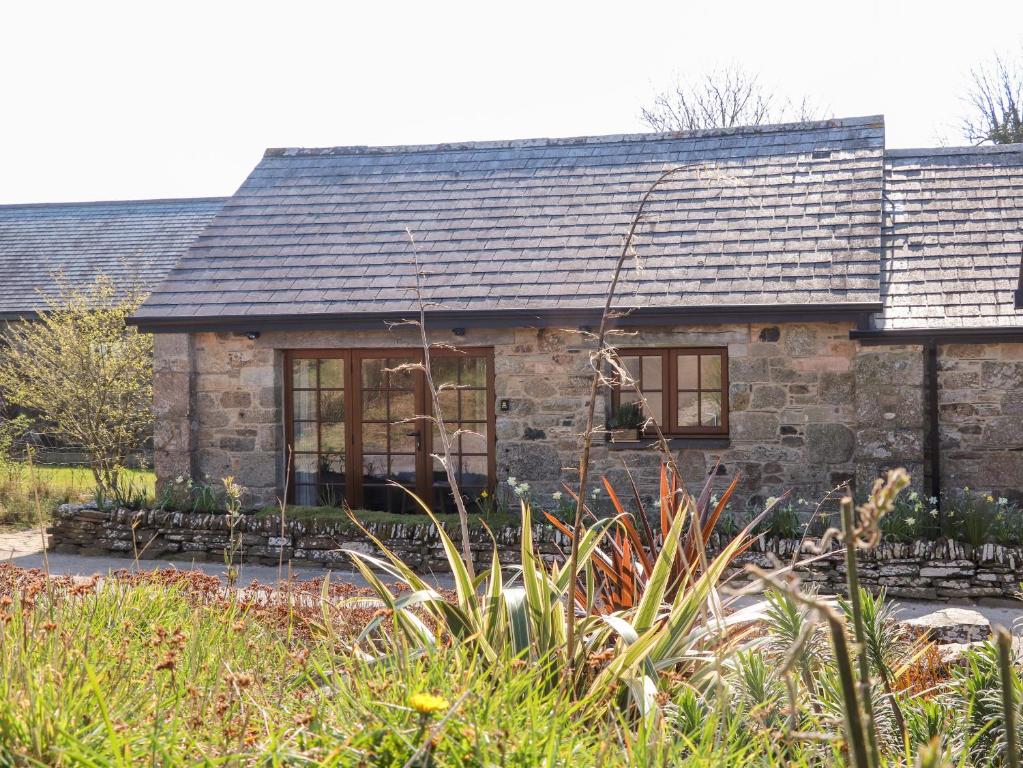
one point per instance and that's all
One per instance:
(150, 98)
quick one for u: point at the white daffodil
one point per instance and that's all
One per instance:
(556, 495)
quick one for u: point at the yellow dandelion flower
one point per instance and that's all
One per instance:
(484, 495)
(991, 499)
(427, 703)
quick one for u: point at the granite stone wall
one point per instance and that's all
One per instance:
(980, 406)
(793, 408)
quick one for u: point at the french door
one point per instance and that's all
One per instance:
(355, 427)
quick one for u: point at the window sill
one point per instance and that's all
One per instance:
(674, 443)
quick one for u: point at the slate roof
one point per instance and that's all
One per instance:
(786, 214)
(132, 241)
(953, 237)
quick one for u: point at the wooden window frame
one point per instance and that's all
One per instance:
(669, 388)
(352, 358)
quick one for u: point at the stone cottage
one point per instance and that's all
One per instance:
(801, 305)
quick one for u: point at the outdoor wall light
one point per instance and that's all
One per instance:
(458, 331)
(252, 335)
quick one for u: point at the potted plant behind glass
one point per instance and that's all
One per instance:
(627, 423)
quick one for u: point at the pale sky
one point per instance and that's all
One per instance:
(103, 100)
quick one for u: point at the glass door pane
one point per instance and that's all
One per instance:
(317, 430)
(391, 445)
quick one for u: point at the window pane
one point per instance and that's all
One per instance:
(449, 404)
(403, 406)
(306, 495)
(475, 441)
(688, 415)
(632, 367)
(332, 374)
(403, 469)
(374, 438)
(402, 438)
(332, 468)
(710, 372)
(374, 405)
(305, 435)
(402, 379)
(332, 406)
(654, 406)
(710, 413)
(304, 468)
(687, 374)
(445, 371)
(374, 468)
(303, 373)
(303, 405)
(652, 374)
(474, 471)
(474, 371)
(373, 376)
(332, 438)
(474, 404)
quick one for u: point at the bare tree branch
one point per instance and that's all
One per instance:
(723, 98)
(995, 102)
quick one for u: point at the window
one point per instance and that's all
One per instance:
(355, 430)
(686, 389)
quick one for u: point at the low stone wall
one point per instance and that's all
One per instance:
(923, 570)
(151, 534)
(930, 570)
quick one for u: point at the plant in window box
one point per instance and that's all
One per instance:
(627, 423)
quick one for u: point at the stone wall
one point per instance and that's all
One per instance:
(939, 570)
(921, 570)
(792, 420)
(980, 407)
(198, 537)
(890, 412)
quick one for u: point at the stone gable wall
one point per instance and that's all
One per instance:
(792, 405)
(980, 407)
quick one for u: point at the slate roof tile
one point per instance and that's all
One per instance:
(538, 223)
(131, 241)
(953, 237)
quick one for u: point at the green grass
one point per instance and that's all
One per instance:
(56, 485)
(339, 516)
(146, 673)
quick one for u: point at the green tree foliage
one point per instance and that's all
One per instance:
(86, 373)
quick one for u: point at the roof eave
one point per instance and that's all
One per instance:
(510, 318)
(925, 336)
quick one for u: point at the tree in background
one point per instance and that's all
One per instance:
(86, 373)
(723, 98)
(995, 99)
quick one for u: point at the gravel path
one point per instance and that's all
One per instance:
(25, 549)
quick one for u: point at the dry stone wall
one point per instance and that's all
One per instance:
(939, 570)
(198, 537)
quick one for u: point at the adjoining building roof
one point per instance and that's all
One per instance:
(953, 237)
(131, 241)
(785, 215)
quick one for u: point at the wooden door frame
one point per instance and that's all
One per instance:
(352, 357)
